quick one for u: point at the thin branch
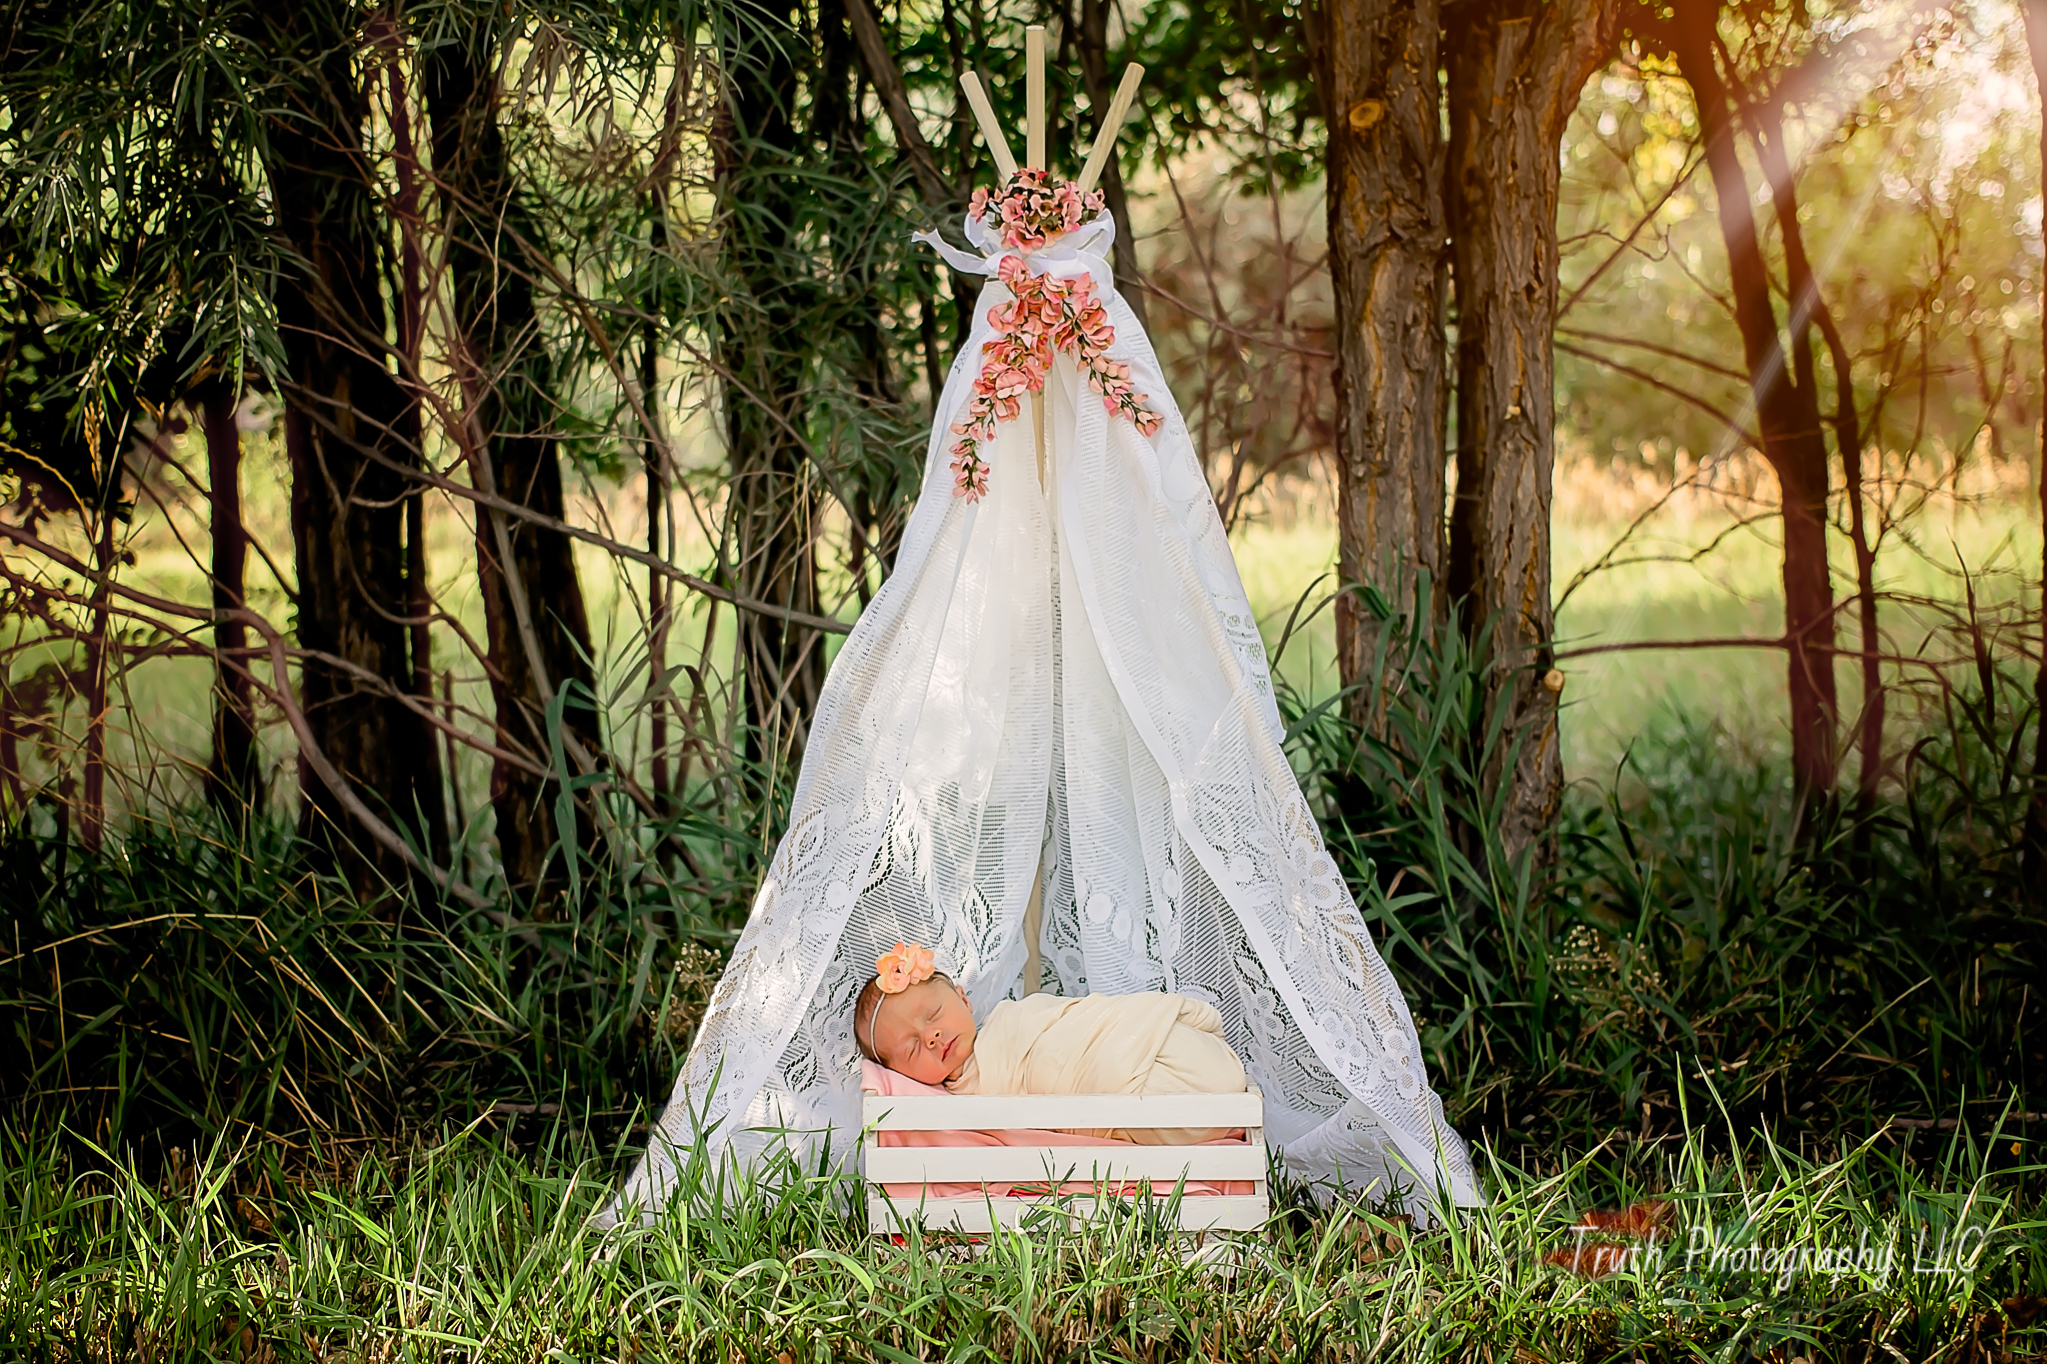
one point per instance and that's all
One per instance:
(281, 694)
(1693, 399)
(1669, 352)
(1220, 325)
(1693, 164)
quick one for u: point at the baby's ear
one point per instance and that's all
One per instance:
(961, 990)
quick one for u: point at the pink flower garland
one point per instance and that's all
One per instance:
(1046, 314)
(1033, 210)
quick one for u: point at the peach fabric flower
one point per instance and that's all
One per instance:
(903, 966)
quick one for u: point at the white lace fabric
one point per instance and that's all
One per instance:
(1069, 678)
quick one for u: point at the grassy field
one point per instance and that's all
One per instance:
(472, 1247)
(1613, 700)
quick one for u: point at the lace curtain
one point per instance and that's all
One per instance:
(1067, 679)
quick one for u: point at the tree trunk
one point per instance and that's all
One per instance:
(2034, 849)
(1788, 415)
(92, 822)
(342, 409)
(652, 458)
(1093, 46)
(762, 345)
(538, 631)
(233, 780)
(1767, 129)
(419, 599)
(1376, 67)
(1515, 71)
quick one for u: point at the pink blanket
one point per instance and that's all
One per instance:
(876, 1079)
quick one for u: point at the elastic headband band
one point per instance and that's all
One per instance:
(873, 1014)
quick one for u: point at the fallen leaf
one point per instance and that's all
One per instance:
(1592, 1259)
(1650, 1217)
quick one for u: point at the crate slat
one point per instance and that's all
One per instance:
(1078, 1164)
(946, 1164)
(987, 1112)
(1227, 1212)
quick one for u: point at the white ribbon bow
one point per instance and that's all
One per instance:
(1083, 251)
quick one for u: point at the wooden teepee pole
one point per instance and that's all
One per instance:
(1036, 158)
(1112, 123)
(991, 131)
(1034, 96)
(1034, 155)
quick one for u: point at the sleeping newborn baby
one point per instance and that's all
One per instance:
(918, 1023)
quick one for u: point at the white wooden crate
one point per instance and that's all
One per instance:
(1112, 1165)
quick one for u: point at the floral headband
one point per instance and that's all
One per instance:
(896, 970)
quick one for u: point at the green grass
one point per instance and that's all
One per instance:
(470, 1248)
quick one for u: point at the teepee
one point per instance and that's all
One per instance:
(1049, 750)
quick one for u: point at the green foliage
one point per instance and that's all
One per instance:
(128, 167)
(194, 982)
(1234, 76)
(1690, 930)
(1917, 164)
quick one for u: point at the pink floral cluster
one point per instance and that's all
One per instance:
(1033, 210)
(902, 966)
(1045, 314)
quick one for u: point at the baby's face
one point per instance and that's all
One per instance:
(925, 1032)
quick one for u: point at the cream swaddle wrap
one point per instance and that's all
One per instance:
(1105, 1044)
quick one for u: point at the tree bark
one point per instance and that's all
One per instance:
(536, 623)
(1376, 65)
(1788, 415)
(1515, 71)
(1769, 142)
(342, 409)
(762, 342)
(2034, 850)
(233, 781)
